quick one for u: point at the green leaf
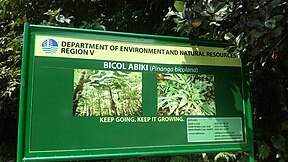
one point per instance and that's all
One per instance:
(274, 3)
(277, 32)
(225, 156)
(258, 34)
(179, 6)
(264, 150)
(183, 102)
(208, 109)
(210, 10)
(271, 23)
(239, 38)
(230, 49)
(60, 18)
(284, 126)
(277, 17)
(205, 13)
(218, 18)
(254, 22)
(229, 37)
(279, 142)
(176, 20)
(195, 105)
(172, 106)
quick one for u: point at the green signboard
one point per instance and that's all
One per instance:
(95, 94)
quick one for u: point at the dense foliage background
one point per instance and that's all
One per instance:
(256, 28)
(185, 94)
(107, 93)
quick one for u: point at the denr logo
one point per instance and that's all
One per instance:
(49, 46)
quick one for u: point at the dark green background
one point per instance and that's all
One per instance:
(54, 128)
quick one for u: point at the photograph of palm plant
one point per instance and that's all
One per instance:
(107, 93)
(185, 94)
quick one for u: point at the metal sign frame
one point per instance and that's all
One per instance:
(50, 57)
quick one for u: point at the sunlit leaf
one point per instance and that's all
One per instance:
(60, 18)
(183, 102)
(179, 6)
(229, 37)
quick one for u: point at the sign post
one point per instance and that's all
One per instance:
(94, 94)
